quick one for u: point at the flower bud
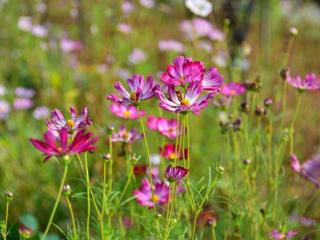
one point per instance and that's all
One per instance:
(66, 190)
(236, 125)
(268, 102)
(106, 157)
(284, 73)
(260, 111)
(25, 232)
(66, 160)
(220, 170)
(293, 31)
(244, 107)
(8, 195)
(247, 161)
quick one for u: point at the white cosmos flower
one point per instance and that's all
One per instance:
(201, 8)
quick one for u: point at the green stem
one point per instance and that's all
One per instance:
(293, 122)
(88, 197)
(56, 203)
(72, 217)
(6, 220)
(127, 185)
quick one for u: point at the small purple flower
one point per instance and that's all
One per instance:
(171, 45)
(276, 235)
(126, 29)
(59, 147)
(310, 82)
(147, 3)
(3, 90)
(126, 136)
(139, 90)
(67, 45)
(39, 31)
(191, 101)
(22, 103)
(58, 121)
(232, 89)
(137, 56)
(127, 7)
(25, 23)
(310, 169)
(126, 112)
(41, 112)
(148, 198)
(24, 92)
(175, 173)
(4, 109)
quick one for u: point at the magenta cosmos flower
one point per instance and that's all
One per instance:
(175, 173)
(310, 169)
(126, 112)
(58, 121)
(310, 82)
(148, 198)
(58, 145)
(232, 89)
(170, 152)
(126, 136)
(166, 127)
(276, 235)
(180, 102)
(139, 90)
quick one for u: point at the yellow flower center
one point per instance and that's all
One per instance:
(70, 123)
(172, 156)
(155, 198)
(133, 97)
(181, 79)
(233, 92)
(126, 114)
(185, 102)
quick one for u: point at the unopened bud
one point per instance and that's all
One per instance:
(284, 73)
(268, 102)
(260, 111)
(25, 232)
(221, 170)
(66, 160)
(293, 31)
(8, 195)
(106, 157)
(67, 190)
(247, 161)
(244, 107)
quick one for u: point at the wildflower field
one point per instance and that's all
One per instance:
(159, 119)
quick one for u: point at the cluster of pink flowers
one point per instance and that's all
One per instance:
(166, 127)
(66, 137)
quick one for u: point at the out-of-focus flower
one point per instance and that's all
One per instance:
(127, 7)
(3, 90)
(207, 217)
(205, 45)
(123, 73)
(147, 197)
(232, 89)
(212, 80)
(25, 23)
(276, 235)
(303, 220)
(166, 127)
(4, 109)
(24, 92)
(25, 232)
(310, 169)
(155, 159)
(171, 45)
(39, 31)
(126, 112)
(175, 173)
(139, 90)
(171, 152)
(137, 56)
(201, 8)
(220, 59)
(58, 121)
(126, 136)
(148, 3)
(179, 102)
(140, 169)
(59, 147)
(22, 103)
(200, 28)
(67, 45)
(310, 82)
(41, 7)
(125, 28)
(41, 112)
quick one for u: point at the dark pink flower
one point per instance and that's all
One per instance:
(126, 112)
(310, 82)
(175, 173)
(139, 90)
(310, 169)
(58, 121)
(166, 127)
(232, 89)
(276, 235)
(148, 198)
(182, 71)
(212, 80)
(169, 152)
(191, 101)
(58, 145)
(126, 136)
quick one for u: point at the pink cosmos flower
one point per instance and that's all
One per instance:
(59, 147)
(310, 169)
(4, 109)
(67, 45)
(24, 92)
(58, 121)
(276, 235)
(39, 31)
(169, 152)
(124, 28)
(175, 173)
(127, 7)
(22, 103)
(139, 90)
(137, 56)
(126, 112)
(148, 198)
(212, 80)
(310, 82)
(166, 127)
(25, 23)
(171, 45)
(179, 102)
(126, 136)
(232, 89)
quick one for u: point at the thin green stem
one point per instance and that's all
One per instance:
(6, 220)
(88, 197)
(72, 217)
(56, 203)
(293, 122)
